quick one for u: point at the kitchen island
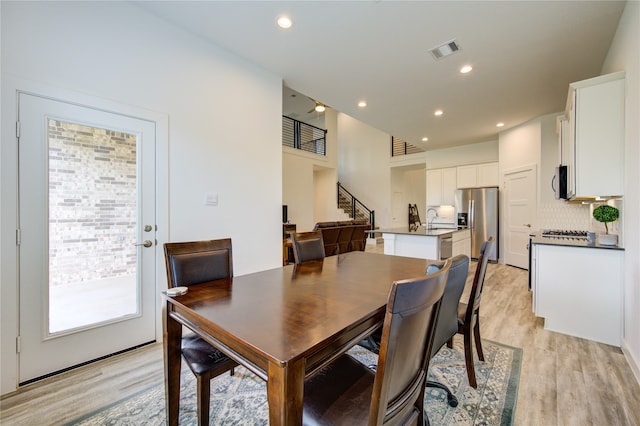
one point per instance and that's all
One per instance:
(426, 243)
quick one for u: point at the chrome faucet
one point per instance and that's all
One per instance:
(430, 222)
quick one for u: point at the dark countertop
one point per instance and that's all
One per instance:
(422, 231)
(570, 242)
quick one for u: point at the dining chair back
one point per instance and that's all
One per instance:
(469, 313)
(448, 319)
(190, 263)
(307, 246)
(347, 392)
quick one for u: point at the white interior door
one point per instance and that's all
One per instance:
(86, 203)
(520, 209)
(399, 209)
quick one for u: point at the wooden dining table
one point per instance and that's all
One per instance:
(284, 324)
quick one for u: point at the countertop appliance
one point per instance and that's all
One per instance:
(477, 209)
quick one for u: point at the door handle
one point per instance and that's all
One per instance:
(528, 225)
(147, 243)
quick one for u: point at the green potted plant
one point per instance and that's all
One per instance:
(607, 214)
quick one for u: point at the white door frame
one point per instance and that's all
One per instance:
(9, 295)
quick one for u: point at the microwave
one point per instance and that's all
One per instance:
(559, 183)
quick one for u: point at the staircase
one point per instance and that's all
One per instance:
(345, 204)
(353, 208)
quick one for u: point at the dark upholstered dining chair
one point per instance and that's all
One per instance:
(191, 263)
(346, 392)
(448, 320)
(469, 313)
(307, 246)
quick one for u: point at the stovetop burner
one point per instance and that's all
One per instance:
(561, 233)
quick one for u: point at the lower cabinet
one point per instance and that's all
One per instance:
(578, 291)
(461, 242)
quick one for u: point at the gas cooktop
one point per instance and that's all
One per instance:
(561, 233)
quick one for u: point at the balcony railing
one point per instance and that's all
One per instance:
(303, 136)
(400, 147)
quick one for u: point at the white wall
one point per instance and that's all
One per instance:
(116, 51)
(624, 55)
(363, 165)
(484, 152)
(297, 188)
(416, 188)
(309, 180)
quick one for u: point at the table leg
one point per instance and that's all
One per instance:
(285, 392)
(172, 353)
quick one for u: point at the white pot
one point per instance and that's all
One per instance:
(608, 239)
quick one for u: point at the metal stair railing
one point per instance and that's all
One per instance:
(355, 208)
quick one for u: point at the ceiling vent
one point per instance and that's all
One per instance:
(446, 49)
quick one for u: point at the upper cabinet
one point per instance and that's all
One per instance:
(595, 154)
(478, 175)
(441, 186)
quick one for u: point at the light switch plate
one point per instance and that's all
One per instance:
(211, 199)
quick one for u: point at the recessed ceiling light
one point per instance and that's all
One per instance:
(500, 124)
(465, 69)
(438, 113)
(284, 22)
(425, 139)
(362, 104)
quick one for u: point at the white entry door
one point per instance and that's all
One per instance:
(520, 210)
(87, 234)
(399, 210)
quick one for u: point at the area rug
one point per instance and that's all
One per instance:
(242, 399)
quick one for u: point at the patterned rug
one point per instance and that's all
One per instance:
(242, 399)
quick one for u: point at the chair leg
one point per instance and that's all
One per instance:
(204, 389)
(233, 371)
(468, 356)
(476, 336)
(450, 343)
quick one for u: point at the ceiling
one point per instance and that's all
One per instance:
(524, 54)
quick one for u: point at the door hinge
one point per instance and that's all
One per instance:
(18, 344)
(18, 236)
(18, 129)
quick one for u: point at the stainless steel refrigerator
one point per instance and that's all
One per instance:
(477, 208)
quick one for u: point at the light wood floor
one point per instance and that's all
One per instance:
(564, 381)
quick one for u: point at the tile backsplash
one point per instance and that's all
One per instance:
(564, 216)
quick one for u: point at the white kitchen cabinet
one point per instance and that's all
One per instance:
(461, 242)
(441, 186)
(578, 291)
(477, 175)
(595, 109)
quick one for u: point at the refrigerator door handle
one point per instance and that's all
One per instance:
(472, 223)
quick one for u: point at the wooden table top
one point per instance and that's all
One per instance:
(287, 313)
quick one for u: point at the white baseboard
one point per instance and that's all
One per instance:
(631, 359)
